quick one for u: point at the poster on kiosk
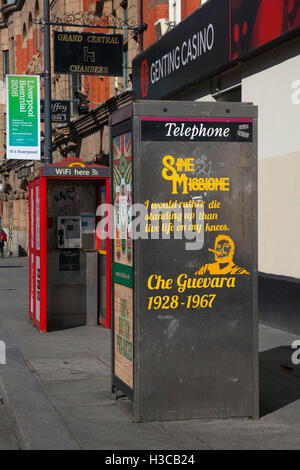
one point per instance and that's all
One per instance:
(23, 117)
(184, 259)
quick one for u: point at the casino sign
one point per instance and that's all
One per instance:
(207, 42)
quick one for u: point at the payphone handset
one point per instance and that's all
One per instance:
(69, 232)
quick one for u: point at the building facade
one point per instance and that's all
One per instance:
(249, 53)
(21, 39)
(22, 52)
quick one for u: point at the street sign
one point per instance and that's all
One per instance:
(88, 53)
(23, 117)
(60, 111)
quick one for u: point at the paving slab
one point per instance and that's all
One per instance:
(71, 369)
(70, 399)
(33, 418)
(8, 440)
(92, 384)
(107, 427)
(75, 368)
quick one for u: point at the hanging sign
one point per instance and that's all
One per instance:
(60, 111)
(88, 53)
(23, 117)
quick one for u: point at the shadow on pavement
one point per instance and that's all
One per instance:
(279, 379)
(9, 267)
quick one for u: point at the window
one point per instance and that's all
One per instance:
(24, 34)
(124, 6)
(75, 85)
(29, 23)
(125, 67)
(12, 49)
(5, 63)
(36, 9)
(175, 11)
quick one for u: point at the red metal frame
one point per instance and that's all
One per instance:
(30, 252)
(107, 321)
(33, 278)
(40, 183)
(108, 261)
(43, 254)
(36, 251)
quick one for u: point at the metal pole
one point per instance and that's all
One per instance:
(141, 25)
(47, 87)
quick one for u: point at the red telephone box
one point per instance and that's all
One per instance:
(69, 266)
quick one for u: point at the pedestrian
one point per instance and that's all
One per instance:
(3, 239)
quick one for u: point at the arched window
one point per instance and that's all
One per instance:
(29, 23)
(36, 9)
(24, 34)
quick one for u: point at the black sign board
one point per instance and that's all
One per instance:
(77, 171)
(60, 111)
(69, 259)
(211, 39)
(198, 130)
(88, 53)
(196, 46)
(195, 265)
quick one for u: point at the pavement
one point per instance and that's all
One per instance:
(55, 390)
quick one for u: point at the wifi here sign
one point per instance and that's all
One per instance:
(78, 171)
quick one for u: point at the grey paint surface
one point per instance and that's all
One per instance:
(191, 364)
(91, 288)
(67, 291)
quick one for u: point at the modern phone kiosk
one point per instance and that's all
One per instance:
(69, 280)
(184, 259)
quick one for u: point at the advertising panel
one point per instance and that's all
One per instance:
(123, 257)
(197, 46)
(23, 117)
(123, 343)
(122, 197)
(256, 23)
(197, 272)
(210, 40)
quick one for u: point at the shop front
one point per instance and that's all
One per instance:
(246, 51)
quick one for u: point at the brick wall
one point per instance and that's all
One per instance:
(188, 6)
(153, 10)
